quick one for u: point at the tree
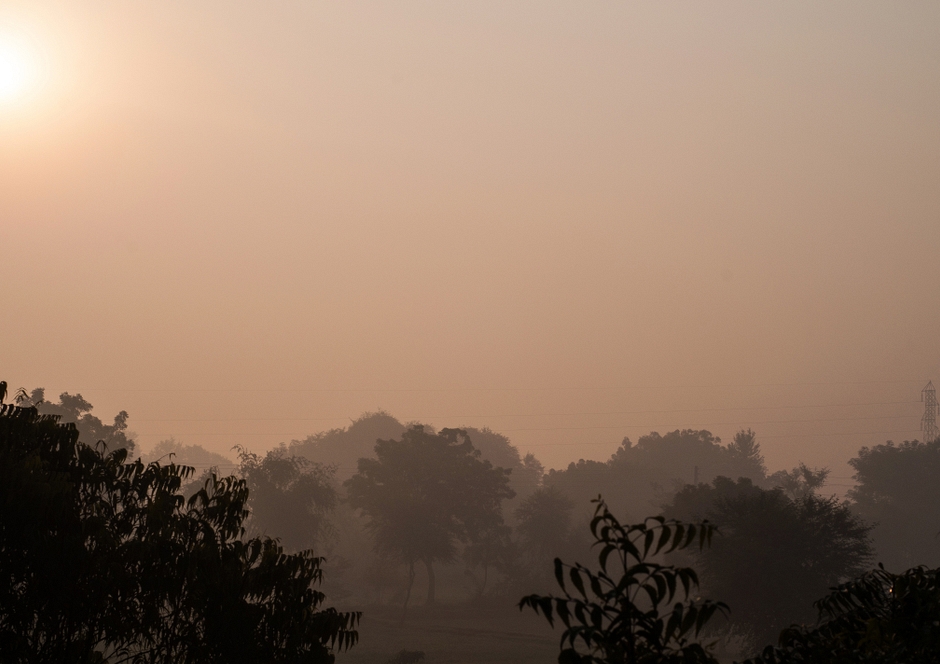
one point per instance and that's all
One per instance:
(187, 455)
(899, 492)
(545, 532)
(800, 482)
(342, 448)
(104, 561)
(74, 408)
(639, 477)
(291, 497)
(679, 454)
(614, 613)
(424, 494)
(880, 617)
(775, 554)
(496, 448)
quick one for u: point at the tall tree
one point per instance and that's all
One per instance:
(424, 494)
(342, 448)
(774, 554)
(544, 526)
(75, 408)
(291, 497)
(899, 491)
(104, 561)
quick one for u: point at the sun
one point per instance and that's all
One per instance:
(17, 69)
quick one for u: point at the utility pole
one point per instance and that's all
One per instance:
(929, 423)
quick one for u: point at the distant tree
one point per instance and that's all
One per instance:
(74, 408)
(639, 477)
(745, 455)
(800, 482)
(881, 618)
(775, 554)
(291, 497)
(617, 614)
(104, 561)
(424, 494)
(172, 450)
(676, 455)
(496, 448)
(342, 448)
(544, 527)
(491, 548)
(898, 490)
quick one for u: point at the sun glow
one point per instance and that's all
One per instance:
(17, 69)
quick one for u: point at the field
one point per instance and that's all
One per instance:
(454, 633)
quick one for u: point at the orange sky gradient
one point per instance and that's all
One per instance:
(571, 222)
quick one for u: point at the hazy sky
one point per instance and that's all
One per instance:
(246, 222)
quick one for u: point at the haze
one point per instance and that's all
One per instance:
(570, 222)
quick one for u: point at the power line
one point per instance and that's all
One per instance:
(587, 388)
(763, 437)
(573, 414)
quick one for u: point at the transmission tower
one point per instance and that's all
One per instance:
(929, 424)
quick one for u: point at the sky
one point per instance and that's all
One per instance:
(570, 222)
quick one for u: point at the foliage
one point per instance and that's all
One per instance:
(491, 547)
(678, 453)
(616, 614)
(425, 493)
(104, 561)
(342, 448)
(800, 482)
(74, 408)
(545, 531)
(291, 497)
(880, 617)
(898, 491)
(639, 477)
(187, 455)
(775, 554)
(496, 448)
(544, 523)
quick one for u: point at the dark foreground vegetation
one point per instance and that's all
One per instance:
(108, 558)
(104, 560)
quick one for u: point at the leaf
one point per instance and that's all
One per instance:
(575, 575)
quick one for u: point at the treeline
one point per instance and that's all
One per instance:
(460, 515)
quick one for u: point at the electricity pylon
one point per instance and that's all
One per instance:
(929, 423)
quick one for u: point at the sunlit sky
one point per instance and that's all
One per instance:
(571, 222)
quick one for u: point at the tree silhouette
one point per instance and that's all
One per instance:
(424, 494)
(880, 617)
(775, 554)
(291, 497)
(899, 492)
(618, 613)
(75, 408)
(104, 561)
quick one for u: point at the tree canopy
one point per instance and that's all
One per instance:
(105, 561)
(774, 554)
(75, 408)
(879, 617)
(898, 490)
(425, 493)
(621, 611)
(291, 497)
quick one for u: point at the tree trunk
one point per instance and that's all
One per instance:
(411, 581)
(427, 563)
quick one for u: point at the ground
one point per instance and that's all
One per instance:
(497, 632)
